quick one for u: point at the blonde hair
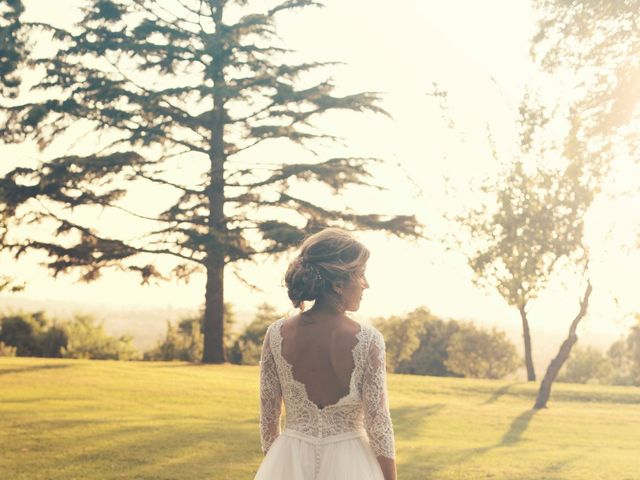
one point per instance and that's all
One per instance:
(327, 257)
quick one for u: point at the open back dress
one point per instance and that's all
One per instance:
(339, 441)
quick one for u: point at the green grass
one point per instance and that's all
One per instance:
(75, 419)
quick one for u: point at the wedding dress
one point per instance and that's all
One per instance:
(337, 442)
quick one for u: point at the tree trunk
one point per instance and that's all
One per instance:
(528, 357)
(565, 349)
(214, 351)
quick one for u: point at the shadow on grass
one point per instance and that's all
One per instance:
(422, 465)
(9, 371)
(517, 428)
(498, 394)
(409, 420)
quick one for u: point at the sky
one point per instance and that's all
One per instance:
(478, 52)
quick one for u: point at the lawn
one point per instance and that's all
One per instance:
(82, 419)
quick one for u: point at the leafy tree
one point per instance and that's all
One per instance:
(586, 365)
(431, 355)
(203, 82)
(32, 335)
(478, 353)
(20, 331)
(402, 336)
(247, 348)
(533, 219)
(87, 339)
(53, 341)
(599, 43)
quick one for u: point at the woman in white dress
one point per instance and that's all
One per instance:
(328, 370)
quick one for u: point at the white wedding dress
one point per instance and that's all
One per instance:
(337, 442)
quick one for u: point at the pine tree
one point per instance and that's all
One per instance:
(200, 81)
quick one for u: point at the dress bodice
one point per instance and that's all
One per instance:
(365, 406)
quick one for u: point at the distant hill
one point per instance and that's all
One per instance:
(145, 325)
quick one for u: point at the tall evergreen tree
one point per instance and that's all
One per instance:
(203, 81)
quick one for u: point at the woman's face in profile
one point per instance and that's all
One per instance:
(352, 293)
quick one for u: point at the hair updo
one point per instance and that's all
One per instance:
(327, 257)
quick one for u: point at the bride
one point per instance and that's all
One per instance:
(329, 371)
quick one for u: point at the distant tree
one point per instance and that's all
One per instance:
(625, 357)
(431, 355)
(621, 362)
(247, 347)
(87, 339)
(53, 341)
(479, 353)
(401, 335)
(184, 341)
(20, 332)
(586, 365)
(200, 82)
(32, 334)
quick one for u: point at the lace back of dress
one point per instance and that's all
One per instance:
(324, 369)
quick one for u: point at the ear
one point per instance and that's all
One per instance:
(338, 287)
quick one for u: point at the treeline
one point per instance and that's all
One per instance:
(35, 335)
(418, 343)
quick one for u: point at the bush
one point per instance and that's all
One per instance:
(185, 341)
(87, 339)
(586, 365)
(480, 353)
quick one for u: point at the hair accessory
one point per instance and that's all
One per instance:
(317, 272)
(312, 267)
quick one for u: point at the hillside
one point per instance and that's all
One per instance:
(93, 420)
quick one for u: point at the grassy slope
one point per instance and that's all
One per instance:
(66, 419)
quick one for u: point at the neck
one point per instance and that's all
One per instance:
(324, 306)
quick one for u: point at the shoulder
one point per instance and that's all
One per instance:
(374, 335)
(273, 326)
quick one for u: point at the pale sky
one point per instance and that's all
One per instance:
(478, 53)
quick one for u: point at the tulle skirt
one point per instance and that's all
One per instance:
(297, 456)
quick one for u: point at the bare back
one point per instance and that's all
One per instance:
(320, 352)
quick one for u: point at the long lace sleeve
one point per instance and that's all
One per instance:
(374, 395)
(270, 397)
